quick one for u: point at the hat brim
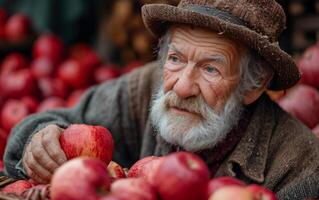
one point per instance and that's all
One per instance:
(157, 17)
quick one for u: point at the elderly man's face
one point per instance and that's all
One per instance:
(201, 62)
(197, 107)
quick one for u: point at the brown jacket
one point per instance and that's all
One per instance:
(276, 150)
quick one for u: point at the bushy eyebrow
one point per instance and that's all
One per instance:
(215, 58)
(207, 58)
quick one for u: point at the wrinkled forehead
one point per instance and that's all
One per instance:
(206, 43)
(198, 33)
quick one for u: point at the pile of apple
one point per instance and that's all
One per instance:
(90, 174)
(55, 76)
(302, 100)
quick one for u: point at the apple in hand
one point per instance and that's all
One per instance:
(85, 140)
(80, 178)
(17, 187)
(182, 176)
(232, 193)
(133, 189)
(217, 183)
(115, 170)
(261, 193)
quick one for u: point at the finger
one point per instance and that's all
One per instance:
(34, 176)
(51, 143)
(42, 157)
(37, 168)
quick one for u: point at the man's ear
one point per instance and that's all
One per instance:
(254, 94)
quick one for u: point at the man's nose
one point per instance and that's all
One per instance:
(186, 85)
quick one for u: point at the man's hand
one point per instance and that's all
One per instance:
(43, 155)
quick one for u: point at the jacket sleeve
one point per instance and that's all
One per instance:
(105, 105)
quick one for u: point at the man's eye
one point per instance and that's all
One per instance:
(211, 69)
(174, 59)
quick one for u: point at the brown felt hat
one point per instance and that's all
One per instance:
(256, 23)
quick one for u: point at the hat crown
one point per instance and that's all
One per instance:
(266, 17)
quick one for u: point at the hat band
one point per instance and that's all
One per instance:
(215, 13)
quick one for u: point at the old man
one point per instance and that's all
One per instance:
(205, 94)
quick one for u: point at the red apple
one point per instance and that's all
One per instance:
(18, 28)
(74, 97)
(52, 87)
(50, 104)
(18, 84)
(42, 67)
(17, 187)
(74, 74)
(49, 46)
(217, 183)
(137, 169)
(90, 60)
(80, 178)
(115, 171)
(146, 168)
(309, 66)
(13, 62)
(3, 142)
(261, 193)
(78, 51)
(302, 102)
(232, 193)
(105, 73)
(31, 102)
(1, 166)
(84, 140)
(182, 175)
(135, 188)
(12, 113)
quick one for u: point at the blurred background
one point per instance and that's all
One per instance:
(51, 51)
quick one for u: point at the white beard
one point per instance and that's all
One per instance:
(193, 133)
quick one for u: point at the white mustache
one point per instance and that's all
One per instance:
(195, 105)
